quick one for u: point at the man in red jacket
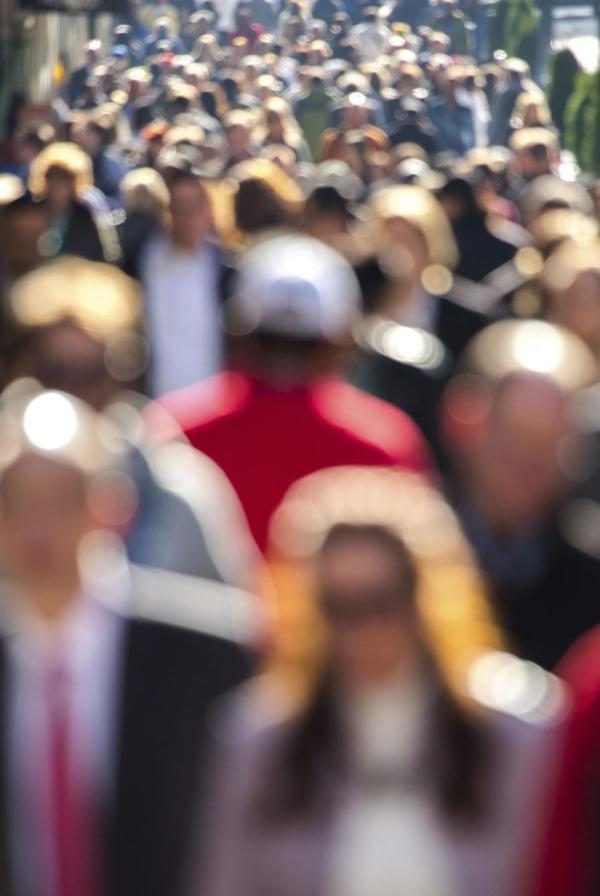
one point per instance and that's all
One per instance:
(285, 411)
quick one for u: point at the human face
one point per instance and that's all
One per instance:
(66, 358)
(410, 243)
(362, 586)
(190, 214)
(60, 189)
(43, 518)
(515, 471)
(238, 138)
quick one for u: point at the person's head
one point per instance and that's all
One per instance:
(367, 583)
(23, 225)
(92, 52)
(372, 542)
(326, 213)
(59, 174)
(438, 43)
(264, 197)
(536, 151)
(571, 280)
(356, 111)
(508, 424)
(143, 190)
(57, 459)
(30, 141)
(458, 198)
(413, 233)
(238, 129)
(93, 137)
(531, 110)
(293, 309)
(243, 16)
(191, 212)
(85, 338)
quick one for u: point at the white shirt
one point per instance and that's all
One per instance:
(182, 315)
(388, 840)
(87, 644)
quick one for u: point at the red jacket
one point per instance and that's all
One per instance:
(265, 438)
(571, 861)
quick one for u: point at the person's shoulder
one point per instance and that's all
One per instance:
(375, 424)
(196, 407)
(179, 608)
(255, 718)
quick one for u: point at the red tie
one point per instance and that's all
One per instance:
(71, 833)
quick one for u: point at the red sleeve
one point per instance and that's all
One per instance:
(570, 854)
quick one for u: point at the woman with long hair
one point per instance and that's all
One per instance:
(414, 759)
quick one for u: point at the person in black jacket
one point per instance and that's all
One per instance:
(415, 245)
(60, 176)
(107, 673)
(480, 251)
(509, 427)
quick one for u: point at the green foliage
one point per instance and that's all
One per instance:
(514, 29)
(564, 70)
(582, 122)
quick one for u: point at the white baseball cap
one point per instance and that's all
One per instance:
(295, 286)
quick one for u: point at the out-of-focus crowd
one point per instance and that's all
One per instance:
(299, 465)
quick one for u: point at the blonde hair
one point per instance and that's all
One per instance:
(536, 100)
(144, 190)
(97, 297)
(68, 157)
(451, 597)
(422, 211)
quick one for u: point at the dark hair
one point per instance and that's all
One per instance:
(458, 750)
(257, 207)
(326, 200)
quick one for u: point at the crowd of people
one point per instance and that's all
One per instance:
(299, 464)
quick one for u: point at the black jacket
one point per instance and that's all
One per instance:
(173, 669)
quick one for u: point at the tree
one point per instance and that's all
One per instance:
(582, 122)
(514, 29)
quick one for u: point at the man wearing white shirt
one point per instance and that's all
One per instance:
(106, 672)
(182, 277)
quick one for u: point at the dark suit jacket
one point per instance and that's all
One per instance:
(456, 324)
(173, 668)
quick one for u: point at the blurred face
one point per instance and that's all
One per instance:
(411, 243)
(515, 470)
(578, 308)
(363, 593)
(355, 116)
(43, 517)
(238, 138)
(22, 239)
(67, 359)
(191, 217)
(90, 140)
(60, 189)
